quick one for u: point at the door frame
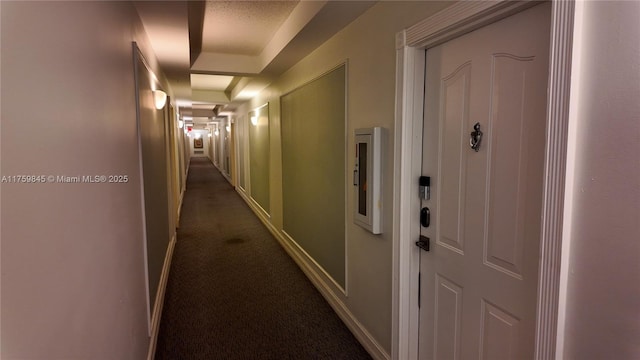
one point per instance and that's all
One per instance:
(411, 44)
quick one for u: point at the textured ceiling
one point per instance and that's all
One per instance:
(242, 27)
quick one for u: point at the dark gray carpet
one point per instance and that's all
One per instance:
(234, 293)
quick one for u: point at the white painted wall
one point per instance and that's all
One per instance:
(209, 140)
(215, 144)
(204, 135)
(73, 271)
(600, 308)
(225, 143)
(369, 45)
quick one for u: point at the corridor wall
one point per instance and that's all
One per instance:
(313, 127)
(600, 299)
(226, 143)
(259, 157)
(369, 46)
(153, 129)
(242, 153)
(72, 256)
(199, 137)
(209, 140)
(215, 144)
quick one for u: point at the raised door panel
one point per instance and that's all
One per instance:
(507, 165)
(454, 113)
(448, 317)
(498, 333)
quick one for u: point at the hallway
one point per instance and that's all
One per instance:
(105, 102)
(234, 293)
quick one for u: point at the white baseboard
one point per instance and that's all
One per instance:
(318, 280)
(157, 309)
(224, 175)
(244, 196)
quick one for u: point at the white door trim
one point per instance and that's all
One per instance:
(449, 23)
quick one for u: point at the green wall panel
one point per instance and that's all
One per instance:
(313, 169)
(153, 137)
(259, 156)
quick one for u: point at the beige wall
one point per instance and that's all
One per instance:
(73, 271)
(72, 254)
(313, 120)
(153, 125)
(602, 269)
(205, 143)
(259, 169)
(369, 46)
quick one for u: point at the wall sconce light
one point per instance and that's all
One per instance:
(217, 132)
(254, 120)
(209, 135)
(228, 128)
(180, 124)
(160, 98)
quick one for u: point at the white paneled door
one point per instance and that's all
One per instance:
(479, 278)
